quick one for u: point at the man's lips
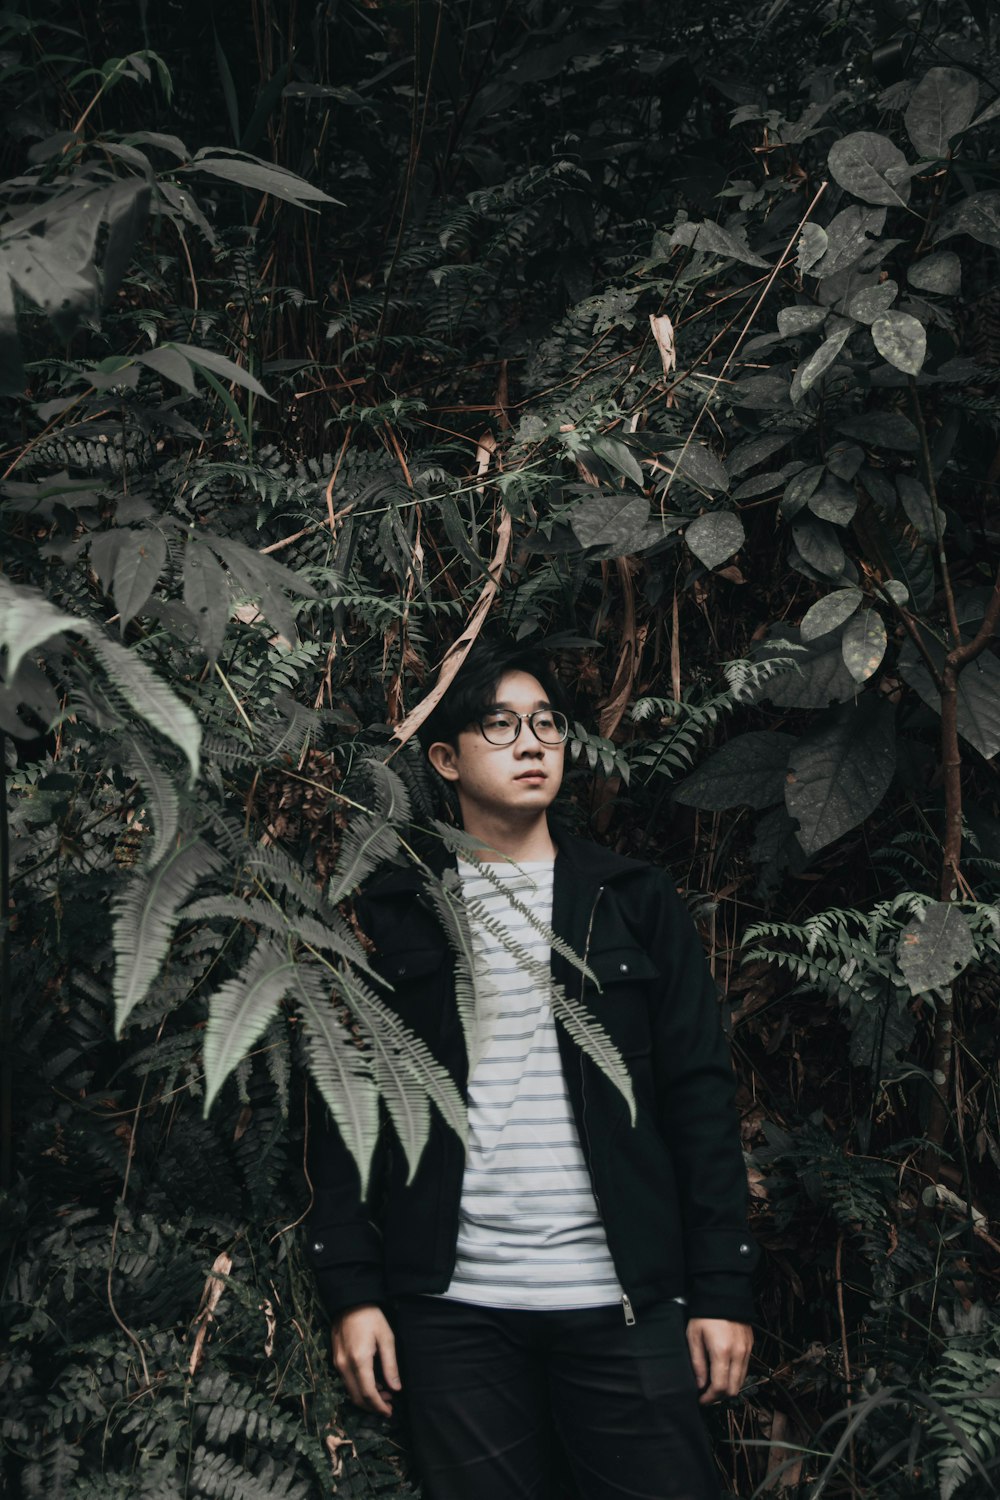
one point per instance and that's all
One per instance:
(532, 776)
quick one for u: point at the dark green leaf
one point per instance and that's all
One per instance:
(793, 320)
(900, 339)
(863, 644)
(848, 237)
(834, 501)
(871, 167)
(882, 429)
(754, 451)
(715, 536)
(872, 301)
(977, 215)
(749, 771)
(799, 489)
(218, 364)
(839, 773)
(940, 272)
(262, 179)
(816, 677)
(827, 614)
(978, 694)
(819, 546)
(138, 565)
(614, 522)
(712, 239)
(813, 244)
(699, 466)
(818, 363)
(171, 363)
(942, 106)
(917, 504)
(934, 948)
(620, 456)
(206, 595)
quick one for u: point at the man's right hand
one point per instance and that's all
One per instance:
(358, 1336)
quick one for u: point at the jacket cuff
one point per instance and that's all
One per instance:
(717, 1294)
(346, 1261)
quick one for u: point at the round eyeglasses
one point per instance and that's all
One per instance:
(501, 726)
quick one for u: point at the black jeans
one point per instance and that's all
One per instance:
(512, 1405)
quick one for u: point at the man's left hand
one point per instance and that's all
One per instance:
(720, 1352)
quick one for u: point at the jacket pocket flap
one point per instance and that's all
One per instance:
(408, 963)
(617, 965)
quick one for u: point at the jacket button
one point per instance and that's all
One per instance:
(744, 1248)
(623, 968)
(317, 1246)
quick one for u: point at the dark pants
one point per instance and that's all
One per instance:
(501, 1404)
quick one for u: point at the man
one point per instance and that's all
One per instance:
(557, 1295)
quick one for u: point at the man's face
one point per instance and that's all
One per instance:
(516, 781)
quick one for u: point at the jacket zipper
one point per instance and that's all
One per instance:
(627, 1308)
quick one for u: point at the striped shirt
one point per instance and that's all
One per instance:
(529, 1231)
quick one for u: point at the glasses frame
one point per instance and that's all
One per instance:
(554, 713)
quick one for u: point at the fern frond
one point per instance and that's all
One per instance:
(146, 914)
(240, 1011)
(340, 1069)
(161, 792)
(371, 836)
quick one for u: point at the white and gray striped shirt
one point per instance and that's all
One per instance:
(529, 1231)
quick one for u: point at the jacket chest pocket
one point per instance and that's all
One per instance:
(625, 975)
(417, 995)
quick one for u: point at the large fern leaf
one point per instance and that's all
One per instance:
(146, 914)
(160, 792)
(340, 1069)
(240, 1010)
(332, 935)
(371, 836)
(148, 696)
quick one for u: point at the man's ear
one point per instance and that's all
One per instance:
(444, 758)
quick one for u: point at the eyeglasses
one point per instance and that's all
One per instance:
(501, 726)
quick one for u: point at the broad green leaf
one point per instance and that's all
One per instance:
(798, 490)
(263, 579)
(871, 167)
(834, 501)
(942, 106)
(818, 363)
(170, 362)
(863, 644)
(620, 456)
(844, 460)
(829, 613)
(819, 545)
(848, 238)
(138, 565)
(813, 245)
(616, 523)
(240, 1011)
(872, 301)
(896, 590)
(749, 771)
(882, 429)
(27, 621)
(226, 369)
(715, 536)
(147, 695)
(125, 210)
(793, 320)
(935, 948)
(901, 339)
(12, 376)
(940, 273)
(262, 179)
(977, 215)
(918, 507)
(816, 677)
(699, 466)
(146, 914)
(978, 694)
(712, 239)
(840, 771)
(206, 595)
(754, 451)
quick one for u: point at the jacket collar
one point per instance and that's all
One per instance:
(587, 863)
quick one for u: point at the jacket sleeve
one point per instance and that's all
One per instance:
(696, 1095)
(343, 1241)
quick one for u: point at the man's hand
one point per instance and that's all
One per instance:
(358, 1336)
(720, 1352)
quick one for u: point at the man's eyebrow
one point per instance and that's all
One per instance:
(542, 703)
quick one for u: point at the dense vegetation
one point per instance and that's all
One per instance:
(667, 335)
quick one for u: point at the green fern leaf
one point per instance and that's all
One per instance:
(162, 795)
(145, 917)
(371, 836)
(341, 1071)
(240, 1010)
(148, 696)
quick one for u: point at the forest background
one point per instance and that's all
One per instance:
(666, 335)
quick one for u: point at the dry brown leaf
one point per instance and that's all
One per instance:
(271, 1322)
(663, 333)
(213, 1289)
(460, 649)
(333, 1447)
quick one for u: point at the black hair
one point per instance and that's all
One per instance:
(473, 689)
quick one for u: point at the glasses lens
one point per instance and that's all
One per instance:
(550, 726)
(499, 728)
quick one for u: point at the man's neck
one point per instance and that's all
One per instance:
(501, 841)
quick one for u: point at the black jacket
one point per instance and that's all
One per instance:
(671, 1190)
